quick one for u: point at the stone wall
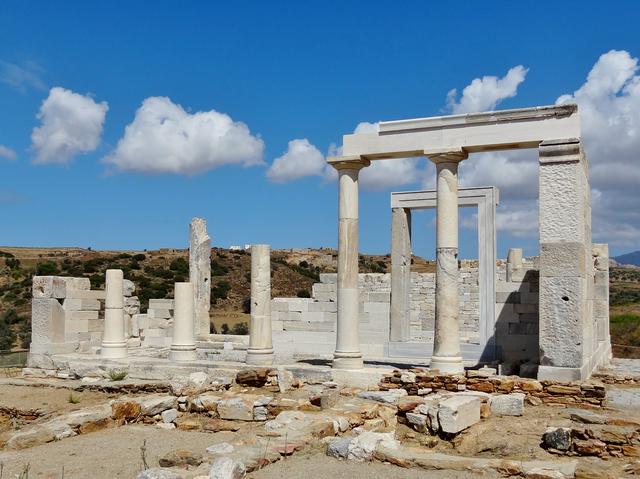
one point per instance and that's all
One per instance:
(319, 313)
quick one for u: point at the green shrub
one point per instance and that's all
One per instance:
(224, 329)
(12, 263)
(179, 265)
(139, 257)
(303, 264)
(218, 269)
(220, 291)
(240, 329)
(48, 268)
(303, 293)
(117, 374)
(7, 335)
(246, 305)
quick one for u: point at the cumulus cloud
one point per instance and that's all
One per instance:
(609, 105)
(164, 138)
(7, 153)
(22, 77)
(301, 159)
(71, 124)
(486, 93)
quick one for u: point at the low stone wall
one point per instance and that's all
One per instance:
(419, 381)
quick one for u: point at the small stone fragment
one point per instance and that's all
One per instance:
(557, 438)
(226, 468)
(180, 458)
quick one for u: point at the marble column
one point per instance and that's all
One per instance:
(200, 275)
(446, 348)
(260, 351)
(347, 354)
(400, 274)
(183, 346)
(114, 344)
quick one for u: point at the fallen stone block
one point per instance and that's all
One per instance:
(285, 380)
(558, 438)
(456, 414)
(155, 405)
(252, 377)
(180, 458)
(363, 446)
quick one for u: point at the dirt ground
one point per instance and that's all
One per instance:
(47, 399)
(318, 465)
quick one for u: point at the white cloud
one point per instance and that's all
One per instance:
(71, 124)
(486, 93)
(304, 159)
(609, 106)
(7, 153)
(22, 78)
(164, 138)
(301, 159)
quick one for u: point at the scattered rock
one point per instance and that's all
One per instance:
(339, 448)
(221, 448)
(363, 446)
(589, 447)
(252, 377)
(239, 408)
(169, 415)
(585, 417)
(507, 404)
(557, 438)
(125, 410)
(218, 425)
(285, 380)
(540, 473)
(155, 405)
(389, 397)
(226, 468)
(180, 458)
(157, 473)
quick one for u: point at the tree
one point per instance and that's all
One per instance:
(48, 268)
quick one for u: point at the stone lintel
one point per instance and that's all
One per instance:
(490, 117)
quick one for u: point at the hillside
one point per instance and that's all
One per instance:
(154, 273)
(629, 258)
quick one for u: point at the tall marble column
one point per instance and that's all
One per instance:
(400, 274)
(183, 346)
(114, 344)
(260, 351)
(446, 348)
(347, 354)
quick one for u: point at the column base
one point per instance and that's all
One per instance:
(113, 350)
(260, 357)
(183, 354)
(447, 364)
(347, 361)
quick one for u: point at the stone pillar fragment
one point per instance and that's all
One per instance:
(566, 320)
(114, 344)
(400, 274)
(601, 300)
(183, 346)
(347, 354)
(260, 351)
(200, 274)
(446, 348)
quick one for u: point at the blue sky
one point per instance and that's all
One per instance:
(289, 71)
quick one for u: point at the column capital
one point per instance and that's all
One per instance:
(348, 162)
(454, 155)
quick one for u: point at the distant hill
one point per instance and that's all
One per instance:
(629, 258)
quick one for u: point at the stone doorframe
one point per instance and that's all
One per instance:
(485, 199)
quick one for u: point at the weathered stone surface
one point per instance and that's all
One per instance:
(285, 380)
(180, 458)
(389, 397)
(589, 447)
(219, 449)
(508, 404)
(157, 473)
(458, 413)
(155, 405)
(417, 421)
(200, 274)
(339, 447)
(252, 377)
(30, 437)
(557, 438)
(586, 417)
(237, 408)
(206, 402)
(540, 473)
(126, 410)
(363, 446)
(128, 287)
(226, 468)
(218, 425)
(169, 415)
